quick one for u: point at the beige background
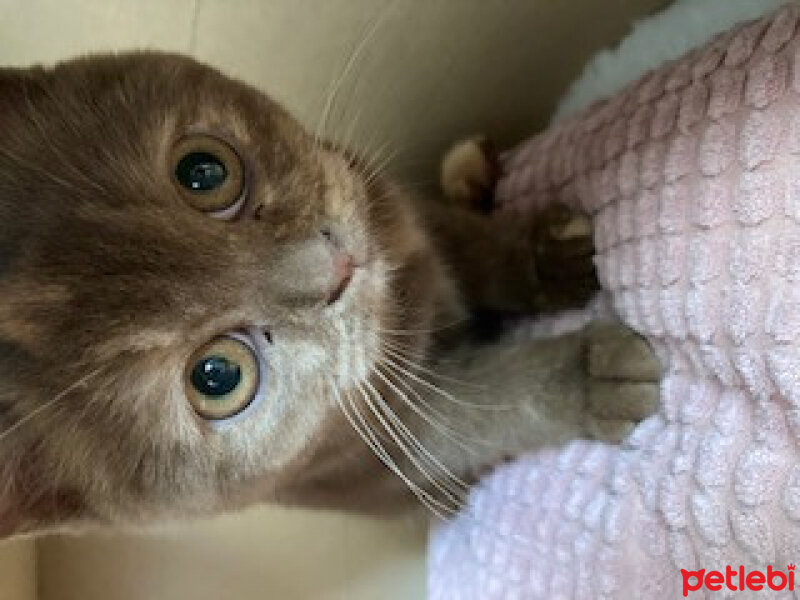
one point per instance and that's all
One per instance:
(431, 71)
(17, 571)
(264, 554)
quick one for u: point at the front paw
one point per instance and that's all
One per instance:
(622, 385)
(563, 250)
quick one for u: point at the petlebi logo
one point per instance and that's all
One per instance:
(738, 579)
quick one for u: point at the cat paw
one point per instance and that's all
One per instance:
(468, 173)
(563, 251)
(623, 376)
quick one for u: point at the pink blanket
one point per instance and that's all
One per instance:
(692, 176)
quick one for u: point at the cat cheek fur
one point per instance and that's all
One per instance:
(32, 500)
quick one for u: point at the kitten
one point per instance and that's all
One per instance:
(205, 307)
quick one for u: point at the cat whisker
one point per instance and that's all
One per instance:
(379, 163)
(402, 354)
(368, 435)
(415, 332)
(398, 438)
(406, 349)
(421, 356)
(374, 155)
(437, 507)
(443, 393)
(364, 431)
(453, 490)
(337, 82)
(433, 417)
(412, 351)
(436, 418)
(40, 409)
(89, 407)
(349, 135)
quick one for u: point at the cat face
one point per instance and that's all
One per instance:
(190, 284)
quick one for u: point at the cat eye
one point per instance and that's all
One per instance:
(209, 175)
(222, 378)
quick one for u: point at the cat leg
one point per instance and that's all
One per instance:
(521, 395)
(505, 262)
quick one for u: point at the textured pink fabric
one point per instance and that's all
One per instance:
(692, 176)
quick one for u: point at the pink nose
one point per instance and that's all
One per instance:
(343, 264)
(343, 267)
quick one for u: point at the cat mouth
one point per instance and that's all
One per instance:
(339, 289)
(345, 269)
(347, 257)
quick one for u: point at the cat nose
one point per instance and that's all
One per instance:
(343, 266)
